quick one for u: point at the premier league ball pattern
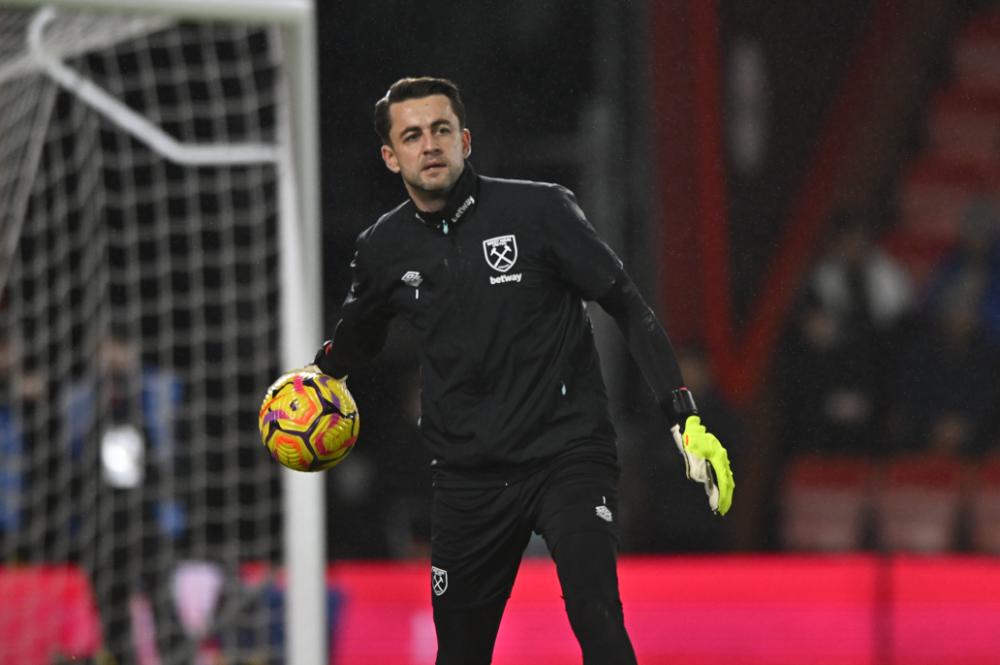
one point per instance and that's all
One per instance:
(308, 421)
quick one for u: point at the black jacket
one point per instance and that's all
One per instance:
(494, 286)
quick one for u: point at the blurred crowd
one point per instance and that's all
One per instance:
(879, 364)
(888, 390)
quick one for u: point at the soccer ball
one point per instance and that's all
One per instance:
(308, 421)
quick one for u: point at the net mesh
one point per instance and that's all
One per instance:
(138, 327)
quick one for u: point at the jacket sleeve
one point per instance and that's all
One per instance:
(647, 340)
(582, 258)
(364, 318)
(591, 267)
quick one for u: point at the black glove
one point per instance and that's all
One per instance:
(325, 362)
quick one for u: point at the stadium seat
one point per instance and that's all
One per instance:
(964, 125)
(961, 160)
(935, 194)
(984, 514)
(826, 502)
(976, 54)
(919, 503)
(919, 254)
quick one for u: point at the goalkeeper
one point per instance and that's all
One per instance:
(492, 275)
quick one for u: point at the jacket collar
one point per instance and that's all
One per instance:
(461, 200)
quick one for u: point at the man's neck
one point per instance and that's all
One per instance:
(427, 202)
(442, 209)
(433, 201)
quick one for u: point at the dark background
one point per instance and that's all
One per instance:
(561, 90)
(540, 81)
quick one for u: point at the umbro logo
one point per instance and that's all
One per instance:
(412, 278)
(603, 511)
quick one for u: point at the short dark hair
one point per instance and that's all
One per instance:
(415, 88)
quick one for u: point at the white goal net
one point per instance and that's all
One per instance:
(140, 320)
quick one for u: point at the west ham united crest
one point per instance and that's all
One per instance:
(501, 252)
(439, 580)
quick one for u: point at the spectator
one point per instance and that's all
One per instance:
(835, 386)
(12, 450)
(945, 400)
(857, 283)
(121, 422)
(20, 390)
(972, 268)
(947, 391)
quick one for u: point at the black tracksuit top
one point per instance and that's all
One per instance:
(494, 286)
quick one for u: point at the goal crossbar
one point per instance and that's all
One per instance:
(266, 11)
(135, 123)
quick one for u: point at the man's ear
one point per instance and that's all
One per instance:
(466, 143)
(389, 157)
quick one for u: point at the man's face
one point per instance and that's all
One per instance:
(427, 148)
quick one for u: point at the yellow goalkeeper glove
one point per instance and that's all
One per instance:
(707, 462)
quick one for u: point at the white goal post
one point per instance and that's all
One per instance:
(296, 159)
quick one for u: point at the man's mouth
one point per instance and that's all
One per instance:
(434, 165)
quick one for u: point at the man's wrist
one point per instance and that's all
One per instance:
(679, 405)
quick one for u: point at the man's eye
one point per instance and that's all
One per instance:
(409, 138)
(443, 129)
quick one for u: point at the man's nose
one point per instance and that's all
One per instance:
(430, 144)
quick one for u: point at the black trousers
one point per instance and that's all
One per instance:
(479, 535)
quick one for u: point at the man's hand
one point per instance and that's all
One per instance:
(323, 362)
(706, 462)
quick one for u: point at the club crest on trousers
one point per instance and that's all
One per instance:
(501, 252)
(439, 580)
